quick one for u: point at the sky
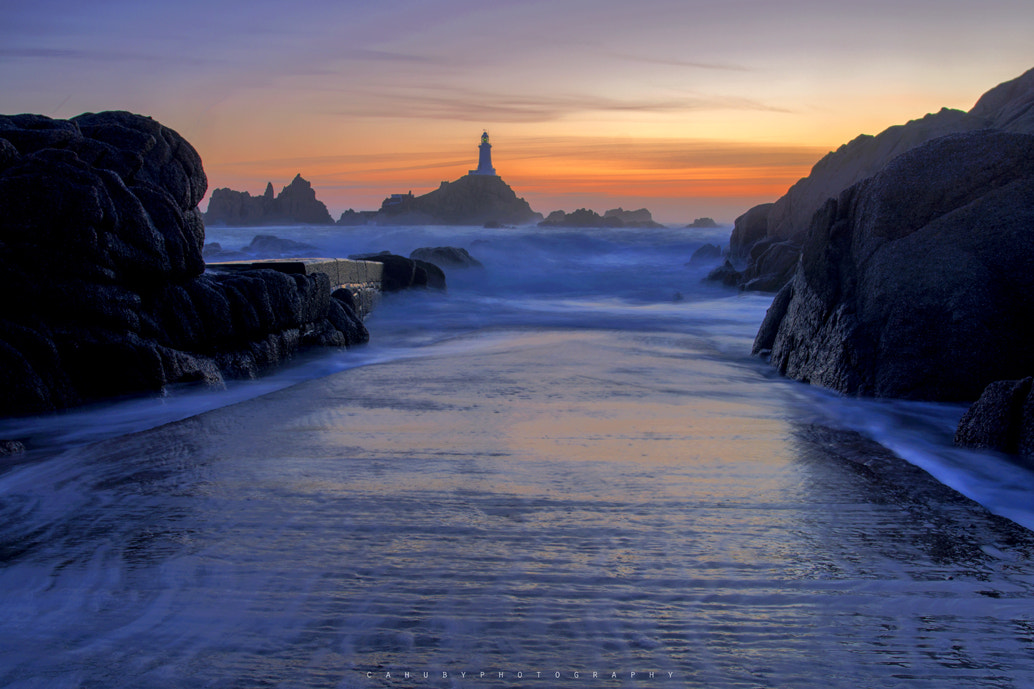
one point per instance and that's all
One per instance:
(685, 107)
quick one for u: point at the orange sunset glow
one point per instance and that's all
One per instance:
(688, 108)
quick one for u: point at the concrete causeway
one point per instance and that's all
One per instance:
(362, 278)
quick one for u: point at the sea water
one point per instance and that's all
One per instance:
(564, 470)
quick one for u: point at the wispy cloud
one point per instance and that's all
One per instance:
(564, 161)
(371, 55)
(92, 55)
(666, 153)
(452, 103)
(675, 62)
(366, 164)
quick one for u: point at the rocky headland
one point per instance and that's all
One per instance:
(766, 241)
(916, 281)
(103, 276)
(296, 204)
(470, 200)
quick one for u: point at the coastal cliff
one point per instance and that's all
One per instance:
(103, 277)
(769, 237)
(915, 282)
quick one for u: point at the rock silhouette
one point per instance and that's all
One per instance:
(105, 285)
(470, 200)
(1008, 107)
(296, 204)
(916, 282)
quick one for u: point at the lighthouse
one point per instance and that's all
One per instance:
(484, 157)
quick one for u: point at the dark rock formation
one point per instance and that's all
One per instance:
(102, 273)
(580, 218)
(771, 265)
(708, 253)
(354, 218)
(295, 205)
(11, 447)
(1001, 419)
(261, 246)
(405, 273)
(725, 274)
(748, 229)
(702, 224)
(917, 282)
(1007, 107)
(638, 218)
(470, 200)
(584, 218)
(446, 257)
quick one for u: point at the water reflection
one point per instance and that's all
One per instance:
(537, 501)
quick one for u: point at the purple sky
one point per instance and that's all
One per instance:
(689, 108)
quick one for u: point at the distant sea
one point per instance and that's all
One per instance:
(565, 470)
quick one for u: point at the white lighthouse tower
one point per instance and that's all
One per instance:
(484, 157)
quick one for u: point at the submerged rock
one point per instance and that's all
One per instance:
(261, 246)
(708, 253)
(725, 274)
(446, 257)
(405, 273)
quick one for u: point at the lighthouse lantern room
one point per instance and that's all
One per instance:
(484, 157)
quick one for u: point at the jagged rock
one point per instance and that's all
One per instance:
(102, 271)
(353, 218)
(446, 257)
(295, 204)
(638, 218)
(585, 218)
(770, 266)
(707, 253)
(580, 218)
(470, 200)
(702, 224)
(229, 207)
(298, 202)
(1007, 107)
(915, 282)
(261, 246)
